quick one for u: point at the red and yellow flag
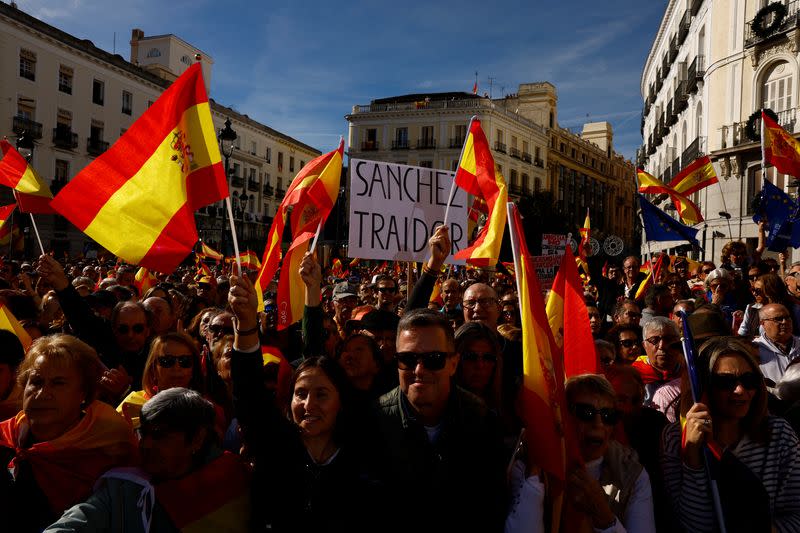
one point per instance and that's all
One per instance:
(144, 280)
(209, 252)
(138, 199)
(355, 262)
(5, 213)
(687, 210)
(569, 319)
(779, 148)
(586, 232)
(313, 193)
(10, 323)
(652, 274)
(543, 402)
(479, 176)
(32, 193)
(697, 176)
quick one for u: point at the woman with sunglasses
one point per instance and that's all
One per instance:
(611, 493)
(627, 339)
(758, 454)
(479, 368)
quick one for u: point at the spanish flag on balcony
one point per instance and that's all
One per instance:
(479, 176)
(697, 176)
(32, 193)
(779, 148)
(138, 199)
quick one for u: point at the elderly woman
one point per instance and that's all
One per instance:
(479, 367)
(611, 493)
(759, 456)
(62, 440)
(178, 485)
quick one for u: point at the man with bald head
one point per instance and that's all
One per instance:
(778, 346)
(481, 304)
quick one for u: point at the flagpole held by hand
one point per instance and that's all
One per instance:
(453, 185)
(36, 231)
(235, 238)
(316, 238)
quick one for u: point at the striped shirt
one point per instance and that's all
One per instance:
(776, 463)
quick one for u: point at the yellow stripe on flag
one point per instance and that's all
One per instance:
(9, 322)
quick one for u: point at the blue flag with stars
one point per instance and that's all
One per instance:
(659, 226)
(780, 213)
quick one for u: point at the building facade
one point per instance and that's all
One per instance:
(74, 100)
(713, 66)
(527, 144)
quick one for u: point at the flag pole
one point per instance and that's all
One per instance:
(316, 238)
(514, 238)
(233, 233)
(11, 235)
(36, 231)
(725, 207)
(644, 237)
(453, 185)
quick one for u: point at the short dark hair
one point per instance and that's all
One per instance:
(476, 331)
(427, 318)
(384, 277)
(620, 307)
(336, 374)
(374, 349)
(182, 410)
(654, 293)
(148, 316)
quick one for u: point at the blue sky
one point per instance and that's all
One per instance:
(300, 66)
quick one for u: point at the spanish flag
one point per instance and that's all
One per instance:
(10, 323)
(653, 273)
(585, 232)
(31, 192)
(355, 262)
(779, 148)
(699, 175)
(138, 199)
(569, 319)
(207, 251)
(248, 258)
(543, 402)
(5, 213)
(479, 176)
(687, 210)
(144, 280)
(312, 194)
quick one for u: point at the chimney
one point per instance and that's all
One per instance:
(136, 36)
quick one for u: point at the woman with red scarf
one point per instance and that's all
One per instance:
(63, 439)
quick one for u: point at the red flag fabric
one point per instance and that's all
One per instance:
(778, 147)
(32, 193)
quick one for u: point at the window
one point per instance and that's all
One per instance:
(237, 168)
(537, 184)
(154, 52)
(538, 152)
(26, 108)
(65, 75)
(252, 174)
(62, 170)
(96, 130)
(460, 133)
(122, 131)
(371, 137)
(454, 165)
(280, 161)
(525, 182)
(127, 102)
(266, 178)
(426, 164)
(526, 148)
(27, 64)
(513, 177)
(98, 92)
(563, 148)
(776, 91)
(513, 141)
(291, 163)
(427, 134)
(268, 157)
(64, 121)
(572, 153)
(500, 136)
(253, 148)
(401, 137)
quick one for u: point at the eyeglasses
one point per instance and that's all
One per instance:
(168, 361)
(218, 330)
(628, 343)
(753, 277)
(124, 329)
(729, 382)
(707, 270)
(586, 413)
(673, 282)
(429, 360)
(778, 319)
(386, 290)
(670, 341)
(483, 302)
(476, 356)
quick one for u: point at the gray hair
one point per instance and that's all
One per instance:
(788, 388)
(179, 409)
(717, 273)
(659, 322)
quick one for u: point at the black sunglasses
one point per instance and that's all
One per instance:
(586, 413)
(384, 290)
(728, 382)
(429, 360)
(475, 356)
(136, 328)
(217, 330)
(628, 343)
(168, 361)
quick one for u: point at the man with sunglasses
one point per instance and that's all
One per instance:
(385, 293)
(777, 346)
(791, 279)
(441, 445)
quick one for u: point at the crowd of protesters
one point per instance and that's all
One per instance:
(393, 405)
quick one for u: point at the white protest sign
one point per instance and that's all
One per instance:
(553, 244)
(395, 208)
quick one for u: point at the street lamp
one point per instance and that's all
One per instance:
(243, 200)
(227, 137)
(25, 146)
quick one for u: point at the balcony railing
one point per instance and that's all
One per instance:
(659, 81)
(672, 116)
(695, 73)
(693, 151)
(426, 144)
(22, 124)
(456, 142)
(681, 100)
(538, 162)
(252, 185)
(683, 27)
(400, 145)
(65, 139)
(237, 181)
(790, 21)
(676, 166)
(95, 147)
(370, 146)
(673, 49)
(695, 8)
(665, 64)
(279, 192)
(499, 147)
(786, 119)
(514, 152)
(268, 190)
(526, 157)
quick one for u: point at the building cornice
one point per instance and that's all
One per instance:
(656, 43)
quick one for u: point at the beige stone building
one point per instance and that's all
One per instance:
(75, 99)
(526, 141)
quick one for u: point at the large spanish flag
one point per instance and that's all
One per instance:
(138, 199)
(32, 193)
(687, 210)
(312, 194)
(569, 319)
(698, 175)
(479, 176)
(543, 402)
(779, 148)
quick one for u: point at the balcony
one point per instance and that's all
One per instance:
(770, 28)
(64, 138)
(673, 49)
(676, 166)
(514, 189)
(237, 181)
(500, 147)
(22, 124)
(659, 82)
(370, 146)
(671, 114)
(268, 190)
(401, 144)
(695, 7)
(665, 64)
(514, 153)
(693, 151)
(681, 100)
(252, 185)
(695, 74)
(651, 147)
(279, 192)
(786, 119)
(526, 157)
(456, 142)
(538, 162)
(95, 147)
(426, 144)
(646, 106)
(683, 27)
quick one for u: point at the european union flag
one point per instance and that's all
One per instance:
(780, 212)
(659, 226)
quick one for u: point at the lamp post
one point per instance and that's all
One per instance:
(227, 137)
(25, 148)
(243, 200)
